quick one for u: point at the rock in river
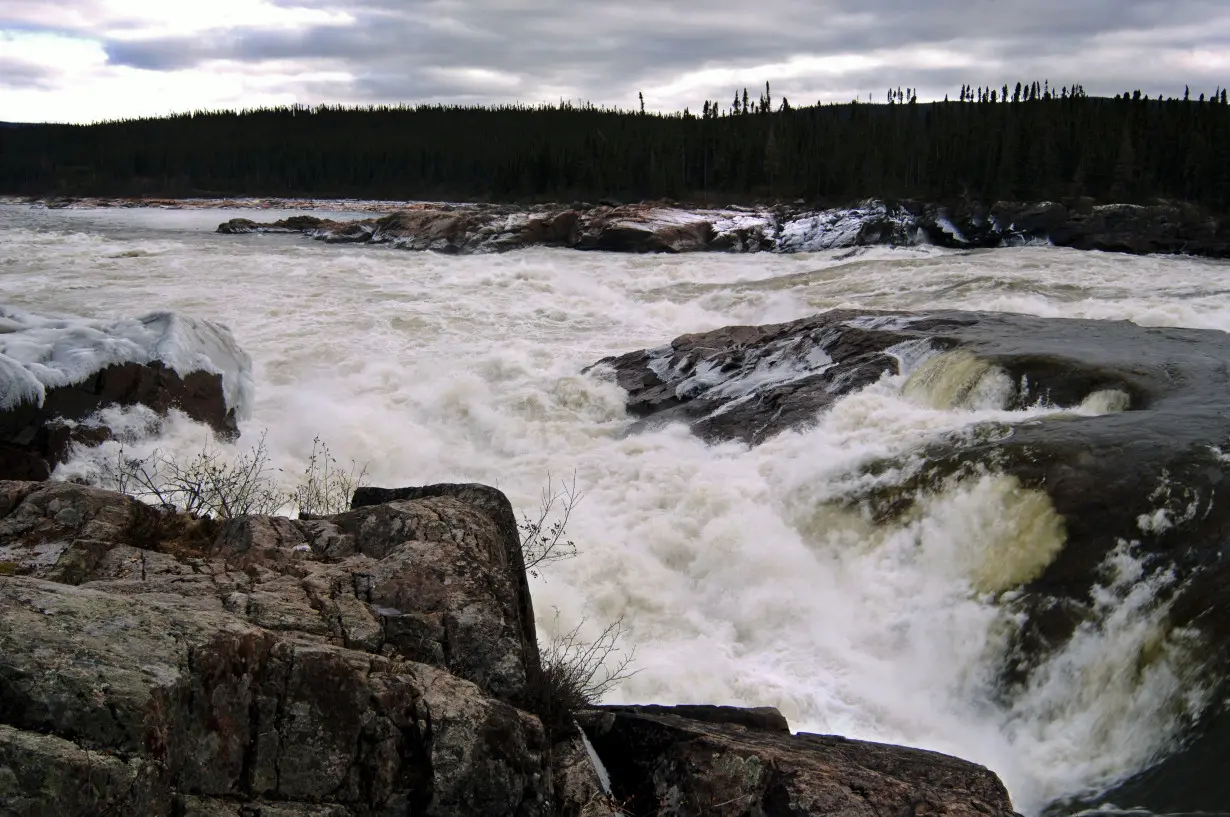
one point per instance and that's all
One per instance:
(668, 228)
(1130, 457)
(58, 372)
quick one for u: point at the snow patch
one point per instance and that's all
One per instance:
(40, 352)
(844, 227)
(945, 224)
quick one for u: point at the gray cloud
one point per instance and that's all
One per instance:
(518, 50)
(21, 74)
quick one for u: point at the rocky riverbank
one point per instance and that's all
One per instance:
(381, 661)
(1110, 478)
(654, 227)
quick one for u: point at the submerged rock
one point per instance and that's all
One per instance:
(1119, 484)
(380, 661)
(666, 227)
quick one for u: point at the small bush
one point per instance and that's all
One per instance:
(205, 485)
(324, 488)
(576, 673)
(208, 485)
(543, 538)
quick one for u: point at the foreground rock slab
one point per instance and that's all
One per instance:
(368, 663)
(698, 760)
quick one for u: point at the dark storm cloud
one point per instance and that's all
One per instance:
(503, 50)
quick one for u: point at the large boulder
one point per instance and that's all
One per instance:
(35, 439)
(369, 662)
(726, 762)
(57, 373)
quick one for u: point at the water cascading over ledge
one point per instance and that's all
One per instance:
(1089, 504)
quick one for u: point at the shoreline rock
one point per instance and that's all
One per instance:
(371, 663)
(664, 228)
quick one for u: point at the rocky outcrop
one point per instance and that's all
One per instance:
(1133, 456)
(294, 224)
(35, 439)
(727, 762)
(750, 382)
(368, 663)
(665, 227)
(380, 661)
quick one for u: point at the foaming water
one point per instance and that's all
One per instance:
(745, 576)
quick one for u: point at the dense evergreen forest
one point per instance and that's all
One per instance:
(1027, 142)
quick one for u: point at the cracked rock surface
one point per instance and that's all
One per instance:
(369, 663)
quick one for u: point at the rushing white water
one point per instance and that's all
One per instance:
(740, 578)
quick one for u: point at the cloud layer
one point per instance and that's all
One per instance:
(83, 60)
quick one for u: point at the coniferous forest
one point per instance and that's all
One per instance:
(1028, 142)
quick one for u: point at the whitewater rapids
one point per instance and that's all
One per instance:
(739, 585)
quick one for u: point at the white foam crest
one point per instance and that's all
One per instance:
(743, 578)
(1122, 681)
(39, 352)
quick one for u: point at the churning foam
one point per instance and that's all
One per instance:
(746, 576)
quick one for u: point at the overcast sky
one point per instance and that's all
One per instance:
(84, 60)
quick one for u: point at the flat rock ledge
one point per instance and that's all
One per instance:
(381, 661)
(668, 228)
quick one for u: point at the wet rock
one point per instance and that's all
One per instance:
(35, 439)
(748, 383)
(1135, 466)
(294, 224)
(692, 761)
(1190, 781)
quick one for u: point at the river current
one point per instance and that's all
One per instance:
(734, 587)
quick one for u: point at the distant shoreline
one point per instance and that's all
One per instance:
(208, 203)
(665, 226)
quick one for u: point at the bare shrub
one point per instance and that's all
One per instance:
(205, 485)
(543, 538)
(576, 673)
(324, 488)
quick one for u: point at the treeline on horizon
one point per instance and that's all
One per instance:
(1028, 142)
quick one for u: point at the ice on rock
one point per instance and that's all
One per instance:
(41, 352)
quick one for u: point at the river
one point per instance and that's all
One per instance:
(733, 588)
